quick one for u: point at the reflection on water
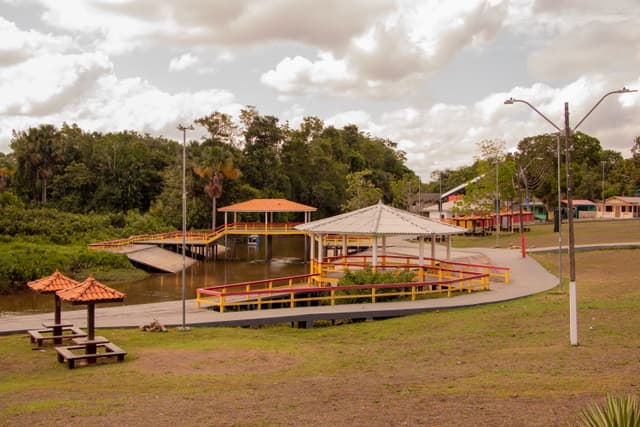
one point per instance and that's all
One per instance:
(248, 264)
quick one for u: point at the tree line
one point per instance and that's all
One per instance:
(332, 169)
(531, 171)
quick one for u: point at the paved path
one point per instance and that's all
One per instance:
(527, 278)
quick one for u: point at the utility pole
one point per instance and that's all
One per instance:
(184, 221)
(573, 310)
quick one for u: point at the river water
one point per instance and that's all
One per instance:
(248, 264)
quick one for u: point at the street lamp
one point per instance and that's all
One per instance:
(573, 317)
(184, 130)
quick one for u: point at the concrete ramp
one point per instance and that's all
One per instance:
(155, 257)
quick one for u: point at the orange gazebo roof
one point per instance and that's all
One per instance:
(268, 205)
(90, 291)
(53, 283)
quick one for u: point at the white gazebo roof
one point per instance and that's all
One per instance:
(380, 220)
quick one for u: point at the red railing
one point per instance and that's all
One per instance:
(224, 296)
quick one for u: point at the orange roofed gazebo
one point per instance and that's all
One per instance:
(269, 228)
(90, 292)
(268, 207)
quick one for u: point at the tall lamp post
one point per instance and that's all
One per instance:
(573, 316)
(184, 130)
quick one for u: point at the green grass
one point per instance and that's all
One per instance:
(586, 232)
(508, 363)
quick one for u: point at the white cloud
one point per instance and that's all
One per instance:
(183, 62)
(298, 75)
(360, 118)
(17, 45)
(393, 55)
(387, 49)
(68, 79)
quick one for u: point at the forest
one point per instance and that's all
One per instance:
(80, 172)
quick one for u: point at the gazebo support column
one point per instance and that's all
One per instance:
(384, 251)
(374, 255)
(345, 249)
(57, 320)
(91, 346)
(91, 316)
(433, 249)
(421, 258)
(449, 246)
(306, 247)
(268, 248)
(312, 252)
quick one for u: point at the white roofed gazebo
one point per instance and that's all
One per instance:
(380, 221)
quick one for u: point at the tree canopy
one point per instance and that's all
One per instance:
(329, 168)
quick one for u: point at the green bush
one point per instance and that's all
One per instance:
(617, 412)
(368, 276)
(66, 228)
(22, 261)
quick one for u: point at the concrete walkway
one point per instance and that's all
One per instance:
(527, 278)
(154, 256)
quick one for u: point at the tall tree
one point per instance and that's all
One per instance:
(361, 192)
(494, 183)
(37, 150)
(215, 165)
(262, 167)
(216, 158)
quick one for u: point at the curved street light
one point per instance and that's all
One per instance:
(573, 317)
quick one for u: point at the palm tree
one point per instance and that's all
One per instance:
(215, 171)
(217, 157)
(37, 152)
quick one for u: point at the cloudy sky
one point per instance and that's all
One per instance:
(431, 75)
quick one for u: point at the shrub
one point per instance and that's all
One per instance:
(617, 412)
(368, 276)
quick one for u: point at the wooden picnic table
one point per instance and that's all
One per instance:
(55, 333)
(91, 352)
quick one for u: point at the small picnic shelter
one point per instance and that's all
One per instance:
(268, 207)
(380, 221)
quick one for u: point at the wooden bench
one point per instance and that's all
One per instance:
(37, 336)
(66, 354)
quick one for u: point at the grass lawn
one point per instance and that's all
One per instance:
(502, 364)
(586, 232)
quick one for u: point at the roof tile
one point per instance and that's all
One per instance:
(55, 282)
(90, 291)
(268, 205)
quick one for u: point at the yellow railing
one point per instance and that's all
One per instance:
(205, 237)
(284, 291)
(408, 262)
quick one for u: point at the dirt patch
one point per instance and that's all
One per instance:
(211, 361)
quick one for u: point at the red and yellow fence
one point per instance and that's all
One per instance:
(304, 289)
(431, 267)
